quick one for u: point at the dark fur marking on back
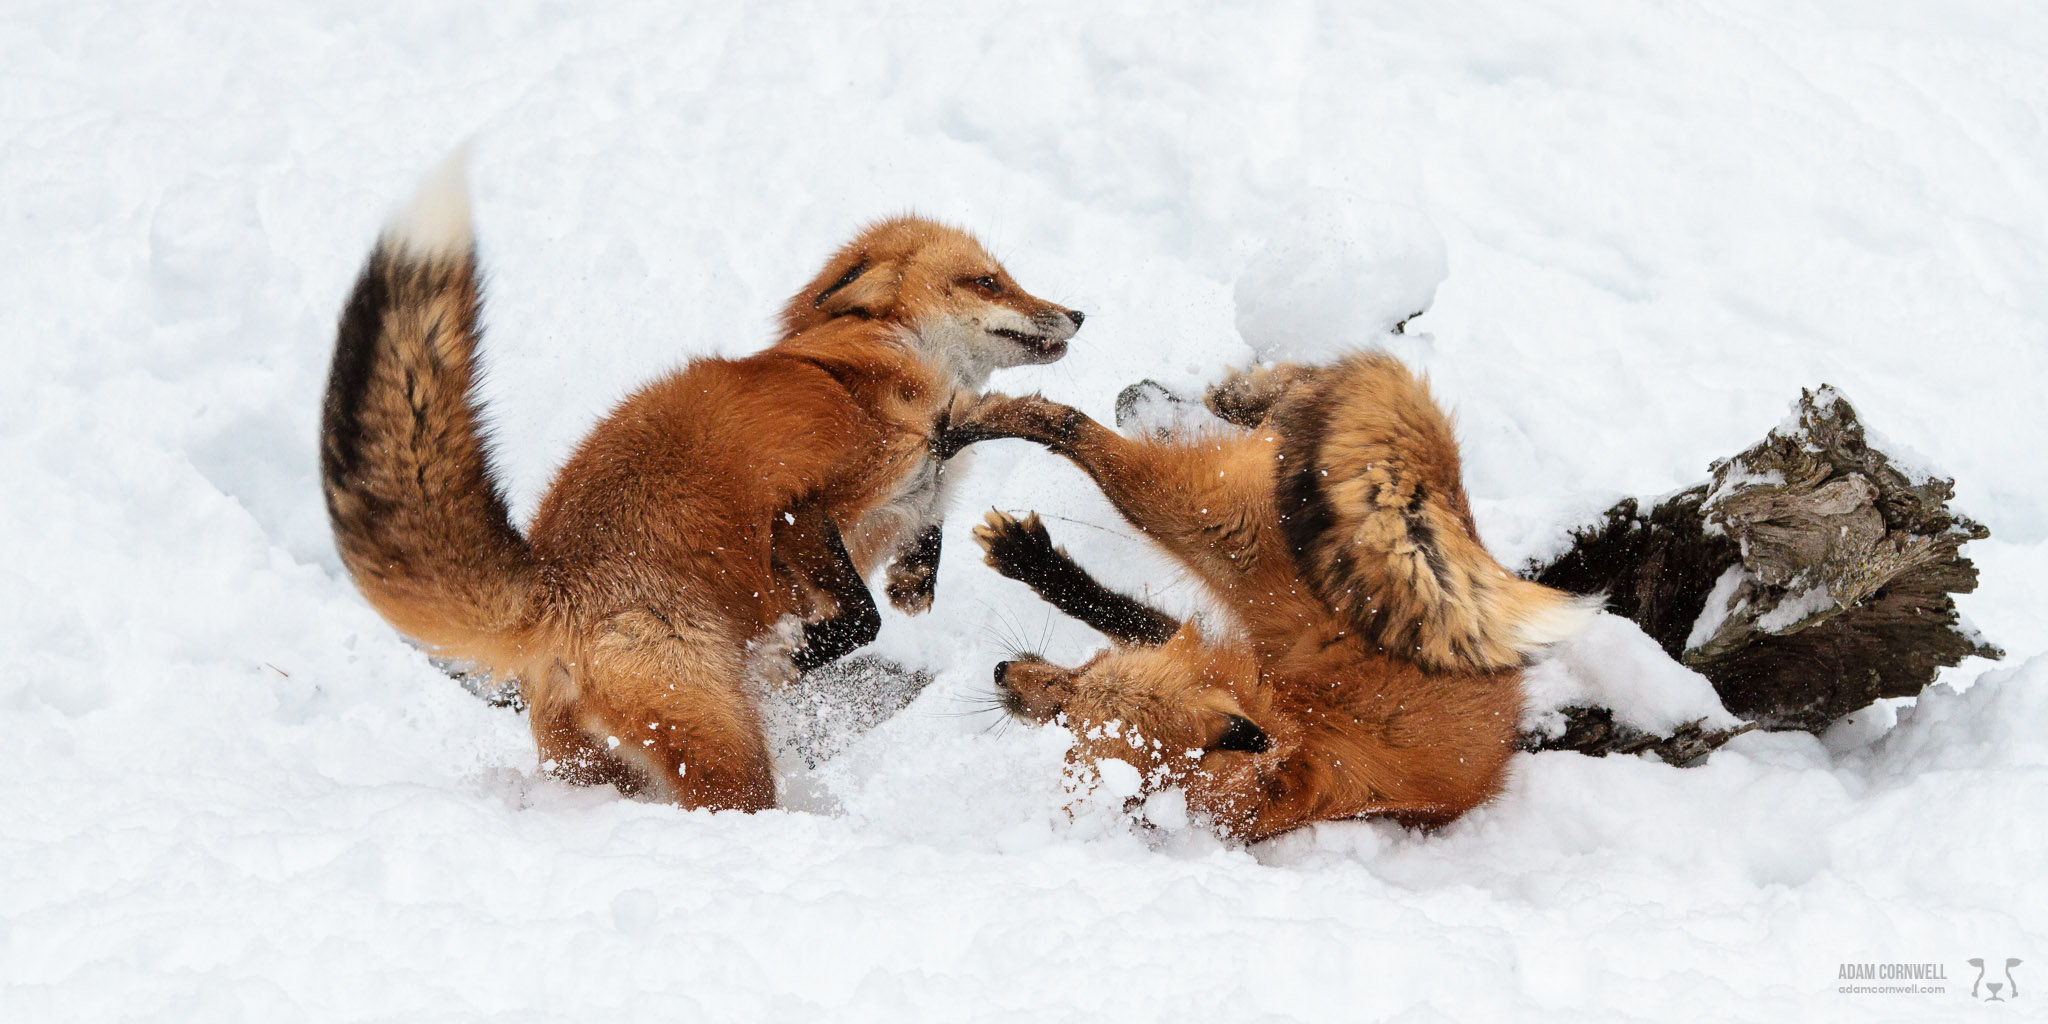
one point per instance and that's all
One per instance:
(1424, 537)
(1304, 512)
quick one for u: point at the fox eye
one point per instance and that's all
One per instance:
(1242, 734)
(988, 284)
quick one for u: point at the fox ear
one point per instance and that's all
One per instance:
(866, 289)
(1242, 735)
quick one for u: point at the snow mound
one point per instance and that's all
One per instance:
(1337, 271)
(1615, 665)
(2000, 721)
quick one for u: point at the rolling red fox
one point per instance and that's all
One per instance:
(710, 505)
(1370, 664)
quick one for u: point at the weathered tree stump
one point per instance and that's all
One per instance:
(1811, 576)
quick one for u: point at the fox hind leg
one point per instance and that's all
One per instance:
(672, 706)
(1245, 397)
(570, 753)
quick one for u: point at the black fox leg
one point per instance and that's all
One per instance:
(1021, 550)
(813, 548)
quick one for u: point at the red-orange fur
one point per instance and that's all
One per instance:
(1420, 730)
(688, 523)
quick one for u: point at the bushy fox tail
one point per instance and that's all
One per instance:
(1373, 502)
(421, 525)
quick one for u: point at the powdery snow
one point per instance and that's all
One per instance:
(231, 793)
(1336, 272)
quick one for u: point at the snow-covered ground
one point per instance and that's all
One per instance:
(229, 792)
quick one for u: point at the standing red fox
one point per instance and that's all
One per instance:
(705, 508)
(1371, 661)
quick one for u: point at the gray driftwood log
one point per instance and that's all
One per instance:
(1808, 578)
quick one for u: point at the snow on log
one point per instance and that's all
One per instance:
(1810, 576)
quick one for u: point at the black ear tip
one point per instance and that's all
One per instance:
(859, 267)
(1242, 735)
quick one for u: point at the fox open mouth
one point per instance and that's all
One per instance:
(1050, 348)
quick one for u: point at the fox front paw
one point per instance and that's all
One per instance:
(914, 574)
(992, 416)
(911, 591)
(1017, 548)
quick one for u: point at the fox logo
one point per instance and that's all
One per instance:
(2010, 987)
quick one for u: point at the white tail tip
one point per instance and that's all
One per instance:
(1558, 621)
(435, 223)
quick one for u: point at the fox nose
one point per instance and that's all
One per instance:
(1076, 316)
